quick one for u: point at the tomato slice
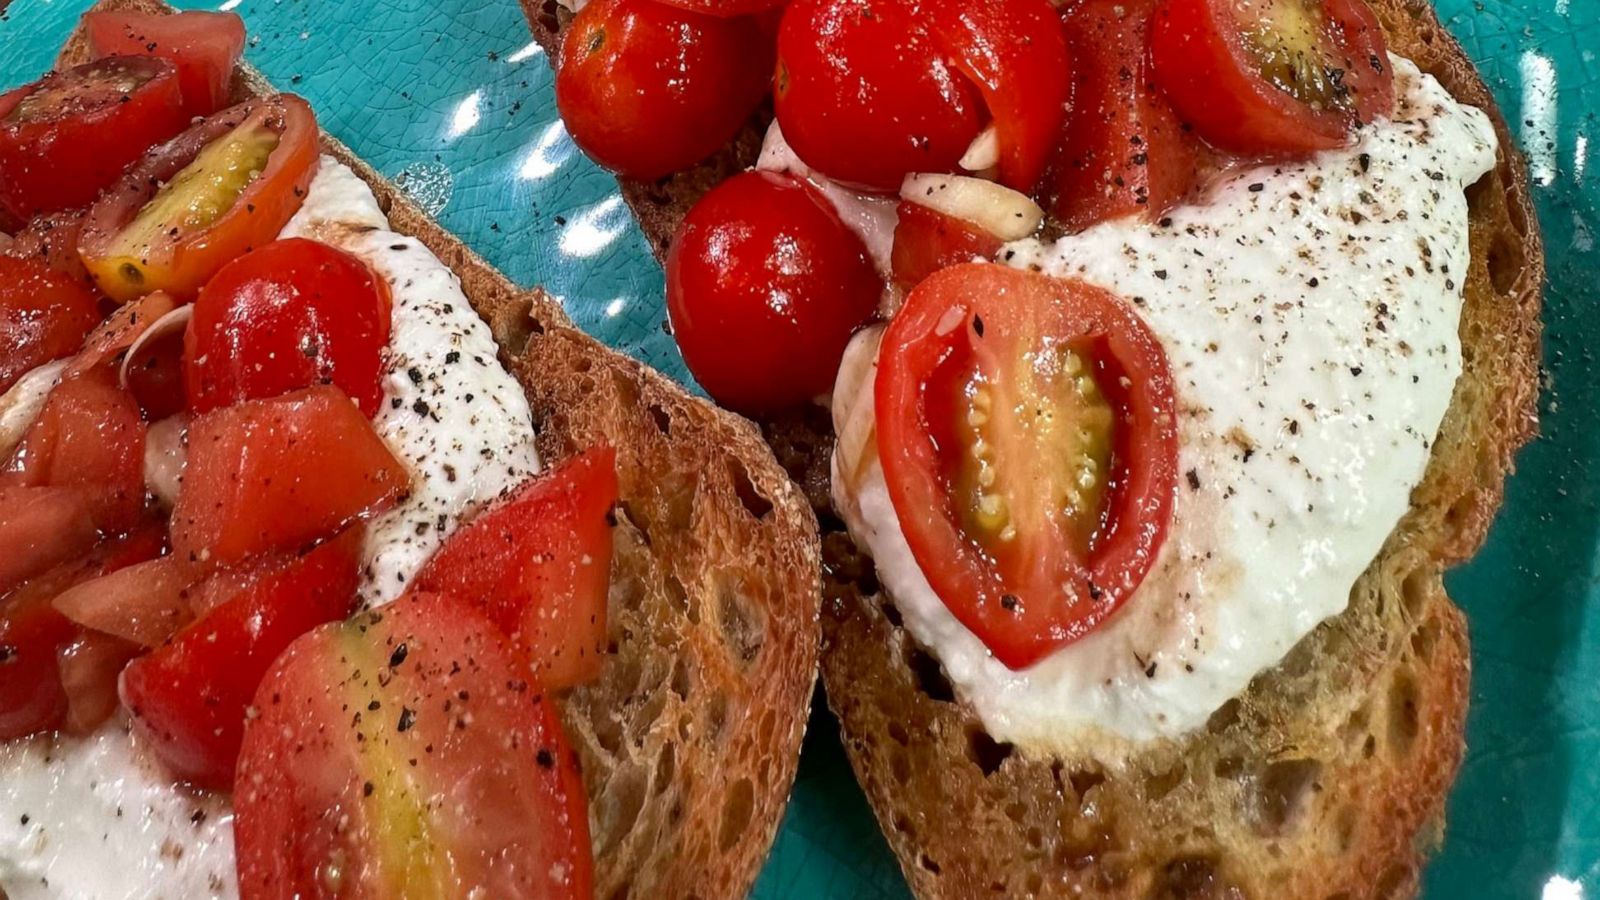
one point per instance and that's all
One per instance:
(52, 238)
(276, 475)
(188, 697)
(1027, 432)
(144, 604)
(71, 134)
(1272, 76)
(44, 315)
(1016, 54)
(1125, 151)
(289, 315)
(405, 753)
(926, 240)
(537, 563)
(205, 197)
(204, 46)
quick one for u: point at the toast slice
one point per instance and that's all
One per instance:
(690, 739)
(1327, 778)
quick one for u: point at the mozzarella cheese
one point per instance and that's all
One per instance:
(96, 817)
(1309, 312)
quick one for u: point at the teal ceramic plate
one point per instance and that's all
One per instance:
(452, 100)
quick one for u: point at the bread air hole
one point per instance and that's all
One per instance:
(737, 808)
(1403, 724)
(1280, 792)
(929, 675)
(985, 752)
(742, 622)
(619, 806)
(755, 502)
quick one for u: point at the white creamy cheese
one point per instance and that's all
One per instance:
(95, 818)
(1309, 312)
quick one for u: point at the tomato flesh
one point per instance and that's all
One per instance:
(926, 240)
(41, 527)
(1272, 76)
(278, 474)
(406, 753)
(52, 238)
(144, 604)
(204, 46)
(765, 284)
(68, 136)
(44, 315)
(537, 565)
(647, 89)
(228, 184)
(1027, 432)
(188, 696)
(1125, 152)
(286, 316)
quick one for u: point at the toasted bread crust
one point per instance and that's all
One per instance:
(690, 738)
(1327, 778)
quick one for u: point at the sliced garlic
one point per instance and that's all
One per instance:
(1008, 215)
(166, 449)
(983, 153)
(175, 320)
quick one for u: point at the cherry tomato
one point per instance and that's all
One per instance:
(728, 9)
(1272, 76)
(647, 89)
(118, 332)
(275, 475)
(89, 668)
(188, 697)
(44, 315)
(205, 47)
(926, 241)
(145, 603)
(208, 196)
(1026, 430)
(407, 752)
(764, 286)
(154, 374)
(537, 564)
(286, 316)
(71, 134)
(865, 96)
(1125, 152)
(52, 238)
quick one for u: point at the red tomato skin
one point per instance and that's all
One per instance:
(647, 89)
(918, 342)
(89, 668)
(278, 474)
(1124, 151)
(865, 96)
(44, 315)
(204, 46)
(286, 316)
(503, 792)
(155, 376)
(66, 160)
(52, 238)
(926, 241)
(188, 696)
(41, 527)
(765, 285)
(1199, 60)
(537, 564)
(728, 9)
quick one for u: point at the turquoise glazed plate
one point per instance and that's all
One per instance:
(452, 100)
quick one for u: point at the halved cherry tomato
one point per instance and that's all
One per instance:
(537, 564)
(278, 474)
(865, 96)
(764, 286)
(44, 315)
(71, 134)
(1026, 427)
(288, 315)
(926, 240)
(406, 753)
(52, 238)
(210, 195)
(647, 89)
(34, 638)
(205, 46)
(88, 436)
(188, 696)
(1272, 76)
(1124, 151)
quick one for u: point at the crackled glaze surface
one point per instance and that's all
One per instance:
(452, 100)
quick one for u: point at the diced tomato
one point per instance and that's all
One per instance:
(205, 47)
(189, 696)
(289, 315)
(926, 240)
(407, 751)
(52, 238)
(145, 603)
(41, 527)
(275, 475)
(537, 564)
(89, 669)
(1124, 152)
(202, 199)
(69, 135)
(44, 315)
(118, 331)
(153, 371)
(1026, 427)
